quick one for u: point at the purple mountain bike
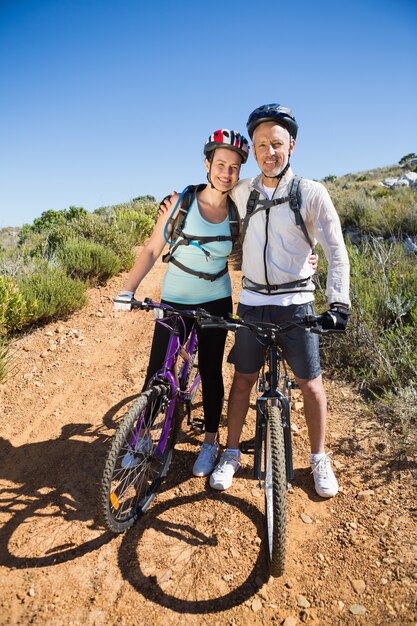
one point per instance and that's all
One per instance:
(141, 449)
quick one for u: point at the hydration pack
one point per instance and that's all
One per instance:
(253, 206)
(180, 238)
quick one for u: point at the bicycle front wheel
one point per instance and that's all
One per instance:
(192, 383)
(138, 458)
(275, 491)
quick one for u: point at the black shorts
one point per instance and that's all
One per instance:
(300, 348)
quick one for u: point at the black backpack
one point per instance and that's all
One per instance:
(253, 206)
(180, 238)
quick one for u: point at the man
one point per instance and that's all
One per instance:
(277, 286)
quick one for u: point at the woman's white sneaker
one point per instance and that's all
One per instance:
(206, 459)
(222, 476)
(143, 447)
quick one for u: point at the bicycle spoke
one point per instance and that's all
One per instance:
(131, 477)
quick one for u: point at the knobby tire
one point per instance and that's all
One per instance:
(127, 492)
(275, 492)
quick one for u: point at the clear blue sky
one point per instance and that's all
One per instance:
(102, 101)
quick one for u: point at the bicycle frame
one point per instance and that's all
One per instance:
(168, 374)
(277, 388)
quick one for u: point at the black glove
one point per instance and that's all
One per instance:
(335, 319)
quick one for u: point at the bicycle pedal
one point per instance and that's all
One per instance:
(197, 425)
(248, 446)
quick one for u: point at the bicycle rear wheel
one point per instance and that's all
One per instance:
(275, 491)
(131, 479)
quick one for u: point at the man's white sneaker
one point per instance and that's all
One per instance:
(222, 476)
(142, 448)
(325, 481)
(206, 459)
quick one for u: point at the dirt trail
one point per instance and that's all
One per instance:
(197, 555)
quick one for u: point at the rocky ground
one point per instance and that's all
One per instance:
(197, 556)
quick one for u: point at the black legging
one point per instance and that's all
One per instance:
(211, 344)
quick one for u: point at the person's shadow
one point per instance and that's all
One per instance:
(53, 485)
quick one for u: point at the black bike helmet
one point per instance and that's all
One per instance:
(273, 113)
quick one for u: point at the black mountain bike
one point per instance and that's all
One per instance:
(271, 447)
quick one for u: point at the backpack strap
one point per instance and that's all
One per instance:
(254, 205)
(302, 284)
(234, 219)
(178, 221)
(204, 275)
(295, 205)
(250, 207)
(180, 238)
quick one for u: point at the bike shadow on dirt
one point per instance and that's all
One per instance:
(48, 497)
(303, 480)
(49, 489)
(379, 463)
(190, 553)
(111, 419)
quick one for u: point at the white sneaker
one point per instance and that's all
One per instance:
(133, 457)
(222, 476)
(325, 481)
(206, 459)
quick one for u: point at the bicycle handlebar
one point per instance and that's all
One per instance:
(310, 323)
(149, 305)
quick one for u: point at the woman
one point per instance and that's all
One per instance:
(208, 216)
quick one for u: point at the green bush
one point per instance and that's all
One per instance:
(49, 220)
(376, 210)
(44, 274)
(138, 226)
(13, 309)
(398, 212)
(399, 412)
(405, 159)
(117, 228)
(91, 227)
(105, 233)
(42, 245)
(378, 349)
(49, 293)
(88, 261)
(142, 204)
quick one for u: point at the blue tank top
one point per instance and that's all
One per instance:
(184, 288)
